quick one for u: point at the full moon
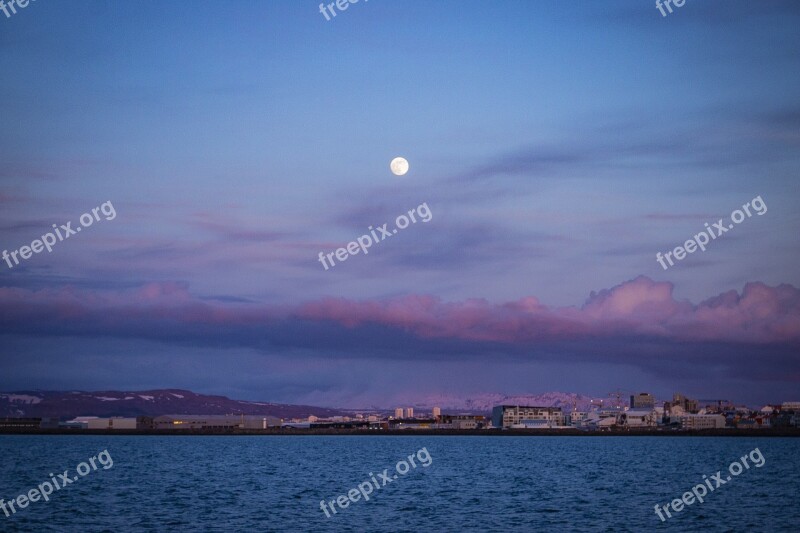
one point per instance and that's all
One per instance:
(399, 166)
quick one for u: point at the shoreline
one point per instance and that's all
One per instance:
(279, 432)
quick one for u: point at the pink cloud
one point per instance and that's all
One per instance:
(639, 308)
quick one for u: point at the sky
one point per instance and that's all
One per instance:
(557, 148)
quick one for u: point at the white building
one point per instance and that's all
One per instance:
(506, 416)
(639, 418)
(436, 412)
(603, 419)
(409, 412)
(398, 413)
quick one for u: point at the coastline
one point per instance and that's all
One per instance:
(278, 432)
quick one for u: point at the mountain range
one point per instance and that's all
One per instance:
(70, 404)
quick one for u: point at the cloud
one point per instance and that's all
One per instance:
(231, 230)
(637, 308)
(638, 322)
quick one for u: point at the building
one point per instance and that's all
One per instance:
(345, 424)
(436, 413)
(639, 418)
(603, 419)
(79, 422)
(413, 423)
(642, 400)
(47, 422)
(690, 421)
(215, 422)
(398, 413)
(687, 404)
(506, 416)
(577, 418)
(790, 406)
(20, 423)
(409, 412)
(467, 421)
(119, 422)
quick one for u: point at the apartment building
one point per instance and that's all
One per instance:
(690, 421)
(506, 416)
(642, 400)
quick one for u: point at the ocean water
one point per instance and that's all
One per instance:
(471, 483)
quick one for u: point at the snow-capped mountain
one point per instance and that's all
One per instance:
(483, 403)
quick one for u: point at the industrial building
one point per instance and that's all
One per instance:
(466, 421)
(119, 422)
(506, 416)
(9, 423)
(639, 418)
(215, 422)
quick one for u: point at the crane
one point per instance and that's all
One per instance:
(618, 394)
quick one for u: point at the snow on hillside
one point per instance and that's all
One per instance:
(486, 401)
(22, 398)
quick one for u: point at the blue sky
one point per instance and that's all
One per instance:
(558, 145)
